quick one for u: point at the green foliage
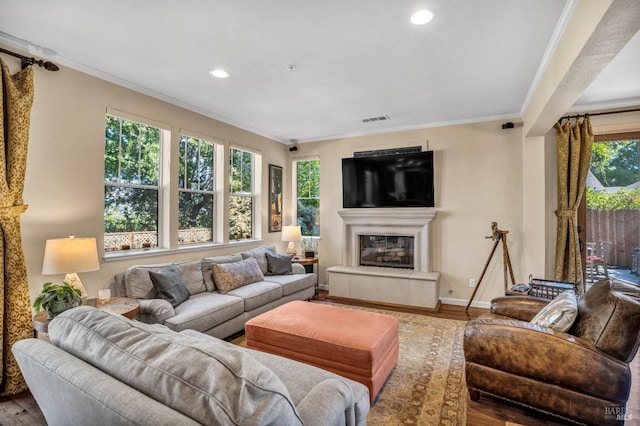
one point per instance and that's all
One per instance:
(239, 218)
(616, 163)
(623, 199)
(54, 298)
(308, 192)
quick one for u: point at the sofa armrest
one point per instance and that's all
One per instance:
(330, 402)
(297, 268)
(519, 307)
(155, 311)
(543, 354)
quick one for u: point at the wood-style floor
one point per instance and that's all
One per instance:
(22, 409)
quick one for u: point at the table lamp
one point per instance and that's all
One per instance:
(292, 234)
(70, 256)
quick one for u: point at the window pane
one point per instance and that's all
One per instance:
(195, 220)
(308, 196)
(206, 166)
(240, 226)
(309, 216)
(129, 211)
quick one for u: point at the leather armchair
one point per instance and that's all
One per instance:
(582, 375)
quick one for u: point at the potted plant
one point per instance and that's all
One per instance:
(55, 299)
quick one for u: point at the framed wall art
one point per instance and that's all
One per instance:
(275, 198)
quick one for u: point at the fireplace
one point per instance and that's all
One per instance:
(377, 264)
(390, 251)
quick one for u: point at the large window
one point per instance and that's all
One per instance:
(241, 194)
(196, 191)
(308, 196)
(131, 184)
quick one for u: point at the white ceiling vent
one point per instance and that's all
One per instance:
(370, 119)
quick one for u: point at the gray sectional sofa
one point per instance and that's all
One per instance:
(104, 369)
(208, 309)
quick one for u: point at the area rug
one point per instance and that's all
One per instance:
(427, 387)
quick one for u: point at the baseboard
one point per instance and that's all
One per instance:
(462, 302)
(323, 287)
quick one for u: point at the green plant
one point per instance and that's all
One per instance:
(55, 299)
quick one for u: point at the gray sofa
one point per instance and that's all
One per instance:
(208, 309)
(104, 369)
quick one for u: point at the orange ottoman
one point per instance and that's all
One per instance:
(359, 345)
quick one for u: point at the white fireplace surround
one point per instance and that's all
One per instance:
(406, 222)
(413, 287)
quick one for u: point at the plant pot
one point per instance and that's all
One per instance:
(57, 307)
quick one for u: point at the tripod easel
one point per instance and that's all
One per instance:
(497, 235)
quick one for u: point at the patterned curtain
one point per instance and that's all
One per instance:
(17, 98)
(574, 156)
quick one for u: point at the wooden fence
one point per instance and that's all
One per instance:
(620, 227)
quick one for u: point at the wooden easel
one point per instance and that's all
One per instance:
(497, 235)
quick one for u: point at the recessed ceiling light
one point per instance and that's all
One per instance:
(421, 17)
(219, 73)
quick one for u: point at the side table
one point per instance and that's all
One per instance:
(125, 306)
(308, 263)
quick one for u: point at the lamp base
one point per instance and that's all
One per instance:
(291, 248)
(74, 281)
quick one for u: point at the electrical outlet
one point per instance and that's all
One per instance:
(472, 282)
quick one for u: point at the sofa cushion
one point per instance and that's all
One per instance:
(169, 284)
(228, 385)
(229, 276)
(293, 283)
(260, 256)
(204, 311)
(278, 264)
(560, 313)
(139, 286)
(257, 294)
(605, 313)
(207, 272)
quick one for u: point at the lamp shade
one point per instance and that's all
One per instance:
(70, 255)
(291, 233)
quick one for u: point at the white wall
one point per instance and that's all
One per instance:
(478, 180)
(65, 166)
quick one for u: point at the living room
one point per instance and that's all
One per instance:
(483, 173)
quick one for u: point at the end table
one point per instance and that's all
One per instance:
(308, 263)
(125, 306)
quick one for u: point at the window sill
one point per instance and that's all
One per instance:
(115, 256)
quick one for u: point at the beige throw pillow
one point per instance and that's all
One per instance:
(229, 276)
(560, 313)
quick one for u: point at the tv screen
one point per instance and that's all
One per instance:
(399, 180)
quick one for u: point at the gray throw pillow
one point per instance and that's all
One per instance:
(169, 284)
(278, 264)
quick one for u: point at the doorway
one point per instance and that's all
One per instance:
(609, 216)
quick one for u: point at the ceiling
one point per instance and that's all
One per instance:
(311, 70)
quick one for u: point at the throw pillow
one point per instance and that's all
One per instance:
(169, 284)
(278, 264)
(229, 276)
(560, 313)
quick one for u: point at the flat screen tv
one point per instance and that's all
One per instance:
(398, 180)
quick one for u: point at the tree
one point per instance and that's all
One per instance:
(616, 163)
(308, 194)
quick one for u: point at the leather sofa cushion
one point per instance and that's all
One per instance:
(228, 385)
(606, 314)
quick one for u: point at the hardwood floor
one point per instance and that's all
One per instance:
(22, 409)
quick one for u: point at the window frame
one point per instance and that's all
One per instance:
(254, 195)
(294, 192)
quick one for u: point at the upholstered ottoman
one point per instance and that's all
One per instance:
(359, 345)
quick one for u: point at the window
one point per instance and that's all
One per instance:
(241, 194)
(308, 196)
(131, 185)
(196, 191)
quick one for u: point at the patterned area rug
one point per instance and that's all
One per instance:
(427, 387)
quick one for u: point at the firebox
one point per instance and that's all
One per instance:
(389, 251)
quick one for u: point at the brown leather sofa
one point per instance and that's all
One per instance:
(582, 375)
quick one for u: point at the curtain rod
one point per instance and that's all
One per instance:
(27, 61)
(586, 115)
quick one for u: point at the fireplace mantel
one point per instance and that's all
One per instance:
(417, 287)
(388, 221)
